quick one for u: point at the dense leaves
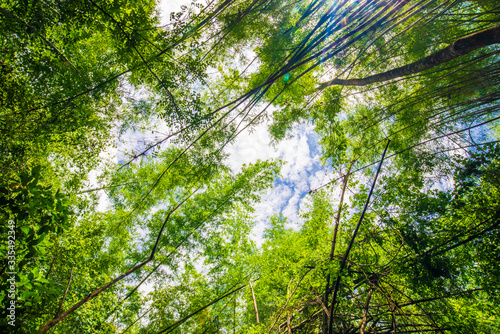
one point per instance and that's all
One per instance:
(161, 239)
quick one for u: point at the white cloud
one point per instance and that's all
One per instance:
(301, 173)
(166, 7)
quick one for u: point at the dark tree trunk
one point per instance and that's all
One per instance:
(456, 49)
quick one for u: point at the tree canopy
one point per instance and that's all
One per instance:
(403, 97)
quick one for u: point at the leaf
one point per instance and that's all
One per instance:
(43, 280)
(45, 229)
(35, 172)
(25, 229)
(36, 272)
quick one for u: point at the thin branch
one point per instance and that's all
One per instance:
(351, 242)
(98, 291)
(254, 302)
(179, 322)
(65, 292)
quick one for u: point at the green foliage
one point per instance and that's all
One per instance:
(77, 77)
(36, 216)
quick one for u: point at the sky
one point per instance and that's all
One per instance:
(168, 6)
(302, 170)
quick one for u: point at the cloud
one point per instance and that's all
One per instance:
(302, 172)
(167, 7)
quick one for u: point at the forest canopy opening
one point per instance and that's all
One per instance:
(250, 166)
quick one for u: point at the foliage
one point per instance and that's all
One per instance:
(173, 251)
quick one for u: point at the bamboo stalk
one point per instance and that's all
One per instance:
(349, 247)
(254, 302)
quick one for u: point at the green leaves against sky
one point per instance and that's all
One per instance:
(114, 137)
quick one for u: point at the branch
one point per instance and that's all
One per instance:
(351, 242)
(254, 302)
(65, 292)
(177, 323)
(95, 293)
(90, 296)
(456, 49)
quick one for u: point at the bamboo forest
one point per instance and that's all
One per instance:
(250, 166)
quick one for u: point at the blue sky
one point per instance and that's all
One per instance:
(301, 172)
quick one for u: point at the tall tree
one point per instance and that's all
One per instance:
(423, 255)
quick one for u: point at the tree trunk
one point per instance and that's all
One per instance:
(254, 302)
(365, 311)
(90, 296)
(351, 242)
(456, 49)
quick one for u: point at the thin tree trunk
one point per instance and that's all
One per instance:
(365, 311)
(334, 241)
(234, 316)
(349, 247)
(339, 211)
(65, 293)
(95, 293)
(254, 302)
(456, 49)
